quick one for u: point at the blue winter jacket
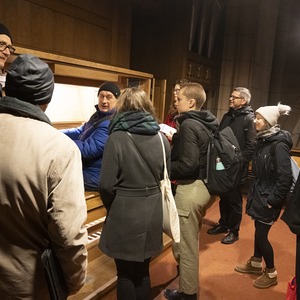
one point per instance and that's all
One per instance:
(91, 138)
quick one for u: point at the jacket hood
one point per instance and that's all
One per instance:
(281, 136)
(203, 116)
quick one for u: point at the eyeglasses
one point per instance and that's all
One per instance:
(234, 97)
(3, 46)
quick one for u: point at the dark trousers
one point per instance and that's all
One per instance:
(298, 266)
(231, 206)
(133, 280)
(262, 246)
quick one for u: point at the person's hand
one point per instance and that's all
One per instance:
(169, 135)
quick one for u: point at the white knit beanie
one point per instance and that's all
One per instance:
(272, 113)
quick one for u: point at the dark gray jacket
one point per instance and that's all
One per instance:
(130, 193)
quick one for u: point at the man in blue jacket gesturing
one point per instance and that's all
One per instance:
(91, 137)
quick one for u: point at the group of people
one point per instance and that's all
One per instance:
(256, 133)
(44, 173)
(42, 201)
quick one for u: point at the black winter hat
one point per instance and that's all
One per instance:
(110, 87)
(4, 30)
(29, 79)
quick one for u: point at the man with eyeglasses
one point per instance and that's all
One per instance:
(6, 48)
(91, 137)
(240, 118)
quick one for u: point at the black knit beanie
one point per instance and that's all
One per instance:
(4, 30)
(29, 79)
(110, 87)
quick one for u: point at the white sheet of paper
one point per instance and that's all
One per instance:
(167, 129)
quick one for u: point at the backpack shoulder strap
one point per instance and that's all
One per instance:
(144, 159)
(205, 128)
(210, 135)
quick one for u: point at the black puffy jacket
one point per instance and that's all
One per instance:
(190, 145)
(272, 177)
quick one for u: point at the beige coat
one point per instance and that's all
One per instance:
(41, 200)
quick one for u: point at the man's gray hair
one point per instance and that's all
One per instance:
(244, 93)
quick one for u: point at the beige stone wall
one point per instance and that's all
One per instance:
(248, 50)
(261, 52)
(285, 80)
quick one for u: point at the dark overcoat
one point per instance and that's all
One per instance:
(130, 193)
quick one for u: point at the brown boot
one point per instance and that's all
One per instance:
(253, 266)
(267, 279)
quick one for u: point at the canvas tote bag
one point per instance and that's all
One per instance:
(170, 215)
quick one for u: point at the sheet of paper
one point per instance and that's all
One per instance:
(167, 129)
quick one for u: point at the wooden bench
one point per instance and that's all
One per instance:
(101, 275)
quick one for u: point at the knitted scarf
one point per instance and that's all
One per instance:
(269, 132)
(139, 122)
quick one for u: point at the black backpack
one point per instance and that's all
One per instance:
(224, 161)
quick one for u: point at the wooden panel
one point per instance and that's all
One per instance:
(159, 98)
(64, 125)
(50, 57)
(75, 71)
(91, 194)
(93, 203)
(87, 29)
(81, 72)
(95, 214)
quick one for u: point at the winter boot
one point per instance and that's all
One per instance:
(253, 266)
(267, 279)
